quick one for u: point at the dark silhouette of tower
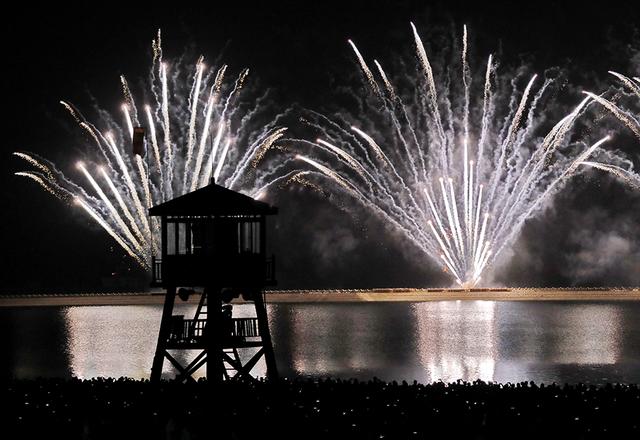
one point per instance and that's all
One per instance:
(214, 239)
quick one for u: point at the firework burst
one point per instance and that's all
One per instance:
(198, 128)
(456, 166)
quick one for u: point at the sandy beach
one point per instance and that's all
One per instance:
(336, 296)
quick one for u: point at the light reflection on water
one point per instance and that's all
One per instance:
(101, 339)
(444, 331)
(121, 340)
(430, 341)
(451, 340)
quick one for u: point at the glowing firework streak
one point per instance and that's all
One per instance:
(203, 142)
(325, 170)
(116, 216)
(635, 88)
(365, 68)
(127, 117)
(130, 185)
(123, 206)
(387, 83)
(156, 148)
(191, 137)
(223, 156)
(179, 124)
(458, 195)
(165, 113)
(111, 232)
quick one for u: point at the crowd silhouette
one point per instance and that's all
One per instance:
(317, 409)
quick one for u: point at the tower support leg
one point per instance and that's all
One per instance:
(163, 334)
(215, 366)
(263, 326)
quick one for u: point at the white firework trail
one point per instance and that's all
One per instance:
(192, 114)
(364, 67)
(624, 116)
(634, 87)
(101, 221)
(457, 172)
(629, 177)
(36, 163)
(630, 118)
(42, 181)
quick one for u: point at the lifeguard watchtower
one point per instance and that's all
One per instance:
(214, 241)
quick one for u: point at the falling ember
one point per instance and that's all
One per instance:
(456, 174)
(120, 186)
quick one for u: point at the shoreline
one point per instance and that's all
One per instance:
(340, 296)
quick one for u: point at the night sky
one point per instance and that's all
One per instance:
(589, 236)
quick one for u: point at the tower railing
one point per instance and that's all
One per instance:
(190, 331)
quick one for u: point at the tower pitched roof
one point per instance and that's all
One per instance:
(213, 200)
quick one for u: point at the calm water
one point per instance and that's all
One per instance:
(448, 340)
